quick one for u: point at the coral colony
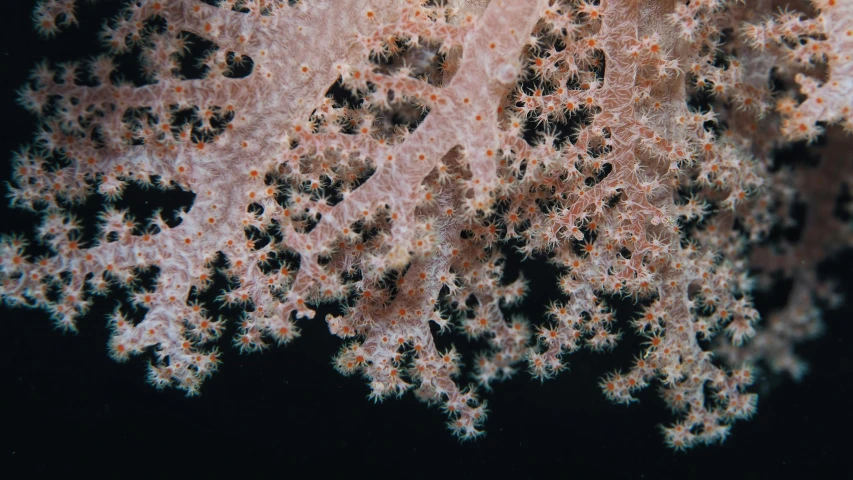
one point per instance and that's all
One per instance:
(385, 156)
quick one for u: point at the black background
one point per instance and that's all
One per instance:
(66, 407)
